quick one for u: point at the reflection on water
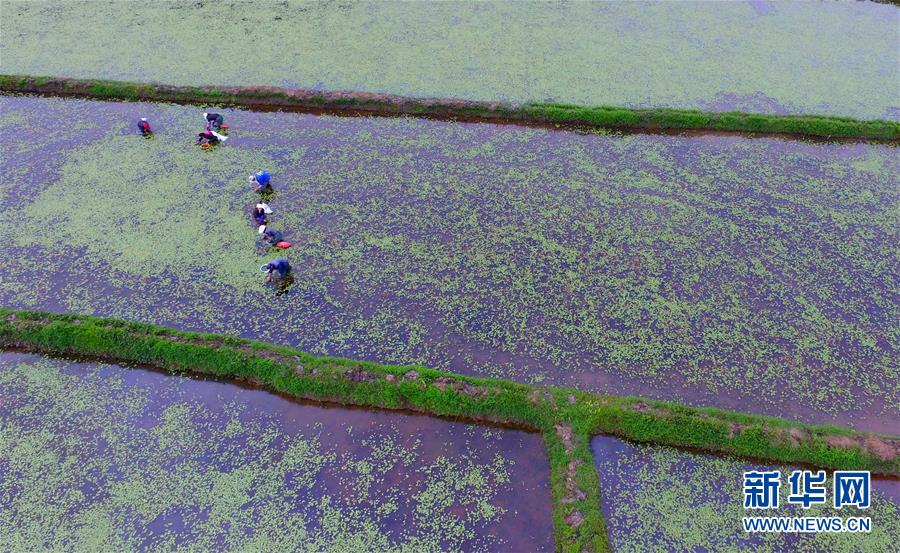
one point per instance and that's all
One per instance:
(94, 456)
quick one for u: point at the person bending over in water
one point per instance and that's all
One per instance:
(259, 215)
(270, 235)
(263, 182)
(213, 121)
(210, 137)
(144, 127)
(277, 269)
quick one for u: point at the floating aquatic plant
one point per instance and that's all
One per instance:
(658, 498)
(719, 270)
(791, 57)
(99, 457)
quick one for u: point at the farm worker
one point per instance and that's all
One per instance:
(259, 215)
(144, 127)
(262, 182)
(280, 266)
(260, 212)
(210, 137)
(270, 235)
(213, 120)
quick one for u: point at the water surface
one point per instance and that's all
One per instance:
(838, 58)
(756, 274)
(100, 457)
(663, 499)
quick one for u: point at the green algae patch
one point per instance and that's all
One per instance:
(566, 417)
(630, 240)
(156, 206)
(661, 498)
(741, 273)
(94, 462)
(747, 56)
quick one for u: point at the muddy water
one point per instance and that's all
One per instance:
(755, 274)
(668, 500)
(125, 458)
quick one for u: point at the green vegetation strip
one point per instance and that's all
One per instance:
(567, 418)
(538, 113)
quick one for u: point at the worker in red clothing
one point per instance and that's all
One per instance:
(144, 127)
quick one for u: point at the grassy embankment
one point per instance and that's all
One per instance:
(566, 418)
(536, 113)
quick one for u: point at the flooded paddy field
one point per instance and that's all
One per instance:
(660, 499)
(754, 274)
(835, 58)
(100, 457)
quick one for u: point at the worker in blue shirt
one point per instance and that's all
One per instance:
(259, 216)
(262, 180)
(270, 235)
(281, 266)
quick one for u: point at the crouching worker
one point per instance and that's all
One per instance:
(259, 215)
(144, 127)
(213, 121)
(263, 182)
(277, 269)
(270, 235)
(208, 137)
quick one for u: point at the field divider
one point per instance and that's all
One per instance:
(548, 114)
(567, 418)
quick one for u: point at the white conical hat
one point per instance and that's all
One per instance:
(262, 228)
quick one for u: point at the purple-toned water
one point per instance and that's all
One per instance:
(753, 274)
(663, 499)
(233, 465)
